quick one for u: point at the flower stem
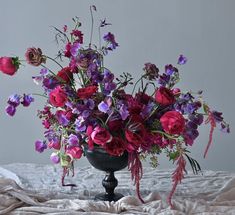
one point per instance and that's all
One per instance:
(54, 61)
(92, 26)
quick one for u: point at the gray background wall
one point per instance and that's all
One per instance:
(153, 30)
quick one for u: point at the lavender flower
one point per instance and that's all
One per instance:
(55, 158)
(169, 69)
(79, 125)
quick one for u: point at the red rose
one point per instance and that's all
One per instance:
(58, 97)
(100, 135)
(66, 75)
(173, 122)
(164, 96)
(135, 135)
(74, 152)
(116, 147)
(86, 92)
(9, 65)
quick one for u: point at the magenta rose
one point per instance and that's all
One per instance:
(164, 96)
(115, 125)
(58, 97)
(173, 122)
(9, 65)
(116, 147)
(100, 135)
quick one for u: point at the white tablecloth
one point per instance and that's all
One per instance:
(36, 189)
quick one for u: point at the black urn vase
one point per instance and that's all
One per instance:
(101, 160)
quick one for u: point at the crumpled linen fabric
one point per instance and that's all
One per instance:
(35, 189)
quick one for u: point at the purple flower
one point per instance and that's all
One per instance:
(90, 104)
(109, 37)
(55, 158)
(44, 71)
(27, 100)
(40, 146)
(182, 60)
(74, 49)
(123, 112)
(62, 119)
(225, 127)
(50, 82)
(164, 79)
(108, 76)
(14, 100)
(73, 140)
(103, 107)
(79, 125)
(10, 110)
(169, 69)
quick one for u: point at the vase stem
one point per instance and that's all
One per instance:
(109, 183)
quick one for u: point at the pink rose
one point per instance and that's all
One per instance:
(173, 122)
(100, 135)
(9, 65)
(74, 152)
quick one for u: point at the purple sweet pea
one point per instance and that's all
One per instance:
(37, 79)
(182, 60)
(14, 100)
(74, 49)
(27, 100)
(40, 146)
(79, 125)
(109, 37)
(103, 107)
(169, 69)
(44, 71)
(90, 104)
(73, 140)
(123, 112)
(55, 158)
(10, 110)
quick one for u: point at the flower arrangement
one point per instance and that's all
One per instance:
(87, 105)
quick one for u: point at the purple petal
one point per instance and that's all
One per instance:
(103, 107)
(40, 146)
(14, 100)
(73, 140)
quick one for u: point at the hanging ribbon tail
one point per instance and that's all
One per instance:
(135, 166)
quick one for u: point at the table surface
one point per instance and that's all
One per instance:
(210, 193)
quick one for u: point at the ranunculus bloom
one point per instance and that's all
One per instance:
(116, 147)
(9, 65)
(58, 97)
(34, 56)
(74, 152)
(164, 96)
(173, 122)
(86, 92)
(66, 75)
(100, 136)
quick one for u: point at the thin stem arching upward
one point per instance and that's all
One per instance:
(92, 26)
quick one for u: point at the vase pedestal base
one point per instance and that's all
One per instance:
(106, 197)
